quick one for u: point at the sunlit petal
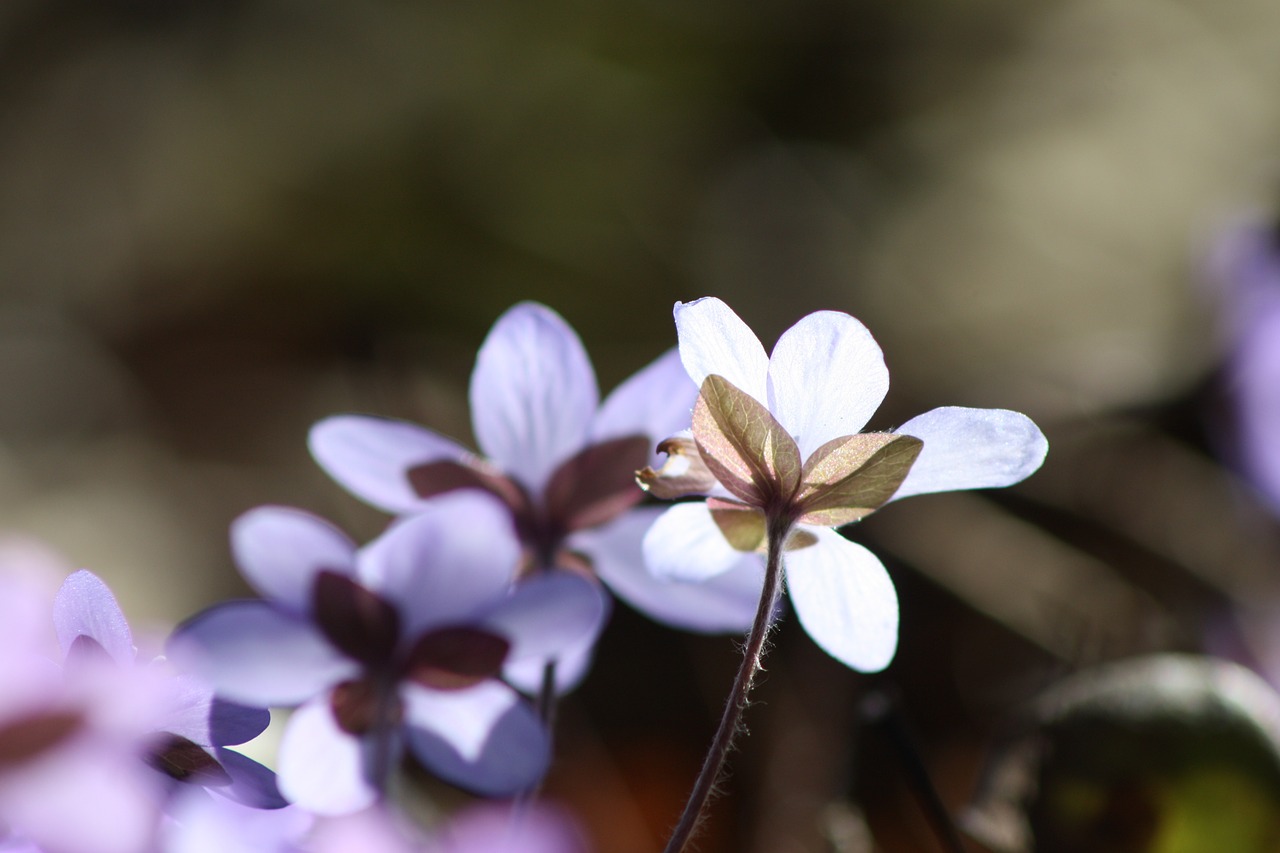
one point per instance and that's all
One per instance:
(685, 544)
(280, 550)
(714, 340)
(971, 449)
(323, 769)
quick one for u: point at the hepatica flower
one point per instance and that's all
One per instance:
(403, 642)
(776, 444)
(561, 462)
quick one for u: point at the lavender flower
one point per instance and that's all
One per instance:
(402, 641)
(190, 728)
(776, 439)
(562, 463)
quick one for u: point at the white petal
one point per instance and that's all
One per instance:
(656, 402)
(548, 614)
(685, 544)
(725, 603)
(971, 449)
(826, 379)
(533, 393)
(484, 738)
(370, 457)
(280, 550)
(454, 559)
(845, 600)
(323, 769)
(713, 339)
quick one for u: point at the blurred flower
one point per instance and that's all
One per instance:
(189, 728)
(402, 640)
(561, 462)
(776, 440)
(492, 829)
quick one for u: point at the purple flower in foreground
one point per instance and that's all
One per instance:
(189, 728)
(562, 463)
(776, 439)
(403, 640)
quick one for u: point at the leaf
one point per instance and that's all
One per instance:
(850, 477)
(744, 445)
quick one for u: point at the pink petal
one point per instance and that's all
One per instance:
(533, 393)
(971, 449)
(685, 544)
(322, 768)
(827, 377)
(370, 457)
(714, 340)
(725, 603)
(844, 599)
(280, 550)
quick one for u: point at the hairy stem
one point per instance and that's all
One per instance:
(738, 695)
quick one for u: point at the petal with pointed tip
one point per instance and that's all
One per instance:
(971, 449)
(322, 768)
(714, 340)
(445, 564)
(744, 445)
(845, 600)
(723, 604)
(485, 739)
(827, 377)
(370, 456)
(253, 653)
(84, 606)
(280, 551)
(533, 393)
(684, 544)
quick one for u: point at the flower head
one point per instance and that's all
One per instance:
(776, 440)
(401, 641)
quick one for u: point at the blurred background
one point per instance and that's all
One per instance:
(221, 220)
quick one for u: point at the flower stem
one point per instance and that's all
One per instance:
(738, 695)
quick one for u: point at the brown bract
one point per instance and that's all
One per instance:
(594, 486)
(738, 443)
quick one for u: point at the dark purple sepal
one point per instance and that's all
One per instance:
(597, 484)
(356, 620)
(456, 658)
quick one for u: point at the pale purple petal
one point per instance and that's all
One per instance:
(280, 550)
(496, 829)
(725, 603)
(370, 457)
(656, 402)
(255, 654)
(485, 739)
(322, 768)
(844, 599)
(375, 830)
(713, 339)
(252, 784)
(533, 394)
(971, 449)
(205, 824)
(827, 377)
(84, 606)
(572, 665)
(449, 562)
(684, 544)
(547, 615)
(195, 713)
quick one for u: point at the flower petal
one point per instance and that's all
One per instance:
(685, 544)
(655, 402)
(548, 614)
(322, 768)
(370, 457)
(971, 449)
(85, 607)
(497, 829)
(827, 377)
(533, 393)
(572, 665)
(845, 600)
(714, 340)
(255, 654)
(444, 565)
(280, 551)
(251, 783)
(725, 603)
(195, 713)
(485, 739)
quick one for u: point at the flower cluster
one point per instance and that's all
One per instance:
(446, 640)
